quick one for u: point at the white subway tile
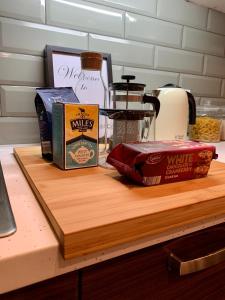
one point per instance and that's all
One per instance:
(124, 52)
(152, 78)
(29, 38)
(182, 12)
(201, 85)
(18, 101)
(18, 69)
(30, 10)
(117, 73)
(19, 130)
(202, 41)
(178, 60)
(151, 30)
(143, 7)
(85, 16)
(214, 66)
(216, 22)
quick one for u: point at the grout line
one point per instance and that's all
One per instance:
(182, 39)
(45, 1)
(179, 79)
(124, 24)
(207, 22)
(221, 87)
(172, 72)
(157, 4)
(88, 41)
(154, 57)
(204, 65)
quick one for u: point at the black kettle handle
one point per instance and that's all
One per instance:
(192, 109)
(154, 101)
(191, 103)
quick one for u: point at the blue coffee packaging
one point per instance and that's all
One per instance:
(44, 99)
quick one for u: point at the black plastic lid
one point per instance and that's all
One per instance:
(126, 86)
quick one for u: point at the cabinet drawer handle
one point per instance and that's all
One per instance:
(197, 264)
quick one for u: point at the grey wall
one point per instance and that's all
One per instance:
(159, 41)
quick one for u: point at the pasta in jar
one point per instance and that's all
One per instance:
(206, 129)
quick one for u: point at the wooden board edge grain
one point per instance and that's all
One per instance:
(98, 238)
(149, 226)
(53, 223)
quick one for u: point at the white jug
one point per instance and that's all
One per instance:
(177, 110)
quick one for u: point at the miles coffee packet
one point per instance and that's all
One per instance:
(160, 162)
(43, 101)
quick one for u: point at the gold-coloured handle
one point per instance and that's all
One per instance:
(195, 265)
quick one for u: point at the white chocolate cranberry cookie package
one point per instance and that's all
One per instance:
(162, 162)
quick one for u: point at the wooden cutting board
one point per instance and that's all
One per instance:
(94, 209)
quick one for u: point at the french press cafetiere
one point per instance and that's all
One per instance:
(131, 114)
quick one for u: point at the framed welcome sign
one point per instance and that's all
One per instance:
(63, 67)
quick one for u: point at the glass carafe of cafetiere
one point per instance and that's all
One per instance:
(130, 115)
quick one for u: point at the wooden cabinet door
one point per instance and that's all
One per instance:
(64, 287)
(144, 275)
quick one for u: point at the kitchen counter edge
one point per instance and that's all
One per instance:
(35, 246)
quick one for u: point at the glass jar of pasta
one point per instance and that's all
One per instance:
(208, 125)
(222, 137)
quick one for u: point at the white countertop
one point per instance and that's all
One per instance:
(32, 253)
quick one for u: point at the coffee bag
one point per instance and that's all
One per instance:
(43, 101)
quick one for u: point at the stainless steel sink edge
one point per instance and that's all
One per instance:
(7, 221)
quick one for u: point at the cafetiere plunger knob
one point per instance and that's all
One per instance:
(128, 77)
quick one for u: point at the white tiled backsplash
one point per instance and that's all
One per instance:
(159, 41)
